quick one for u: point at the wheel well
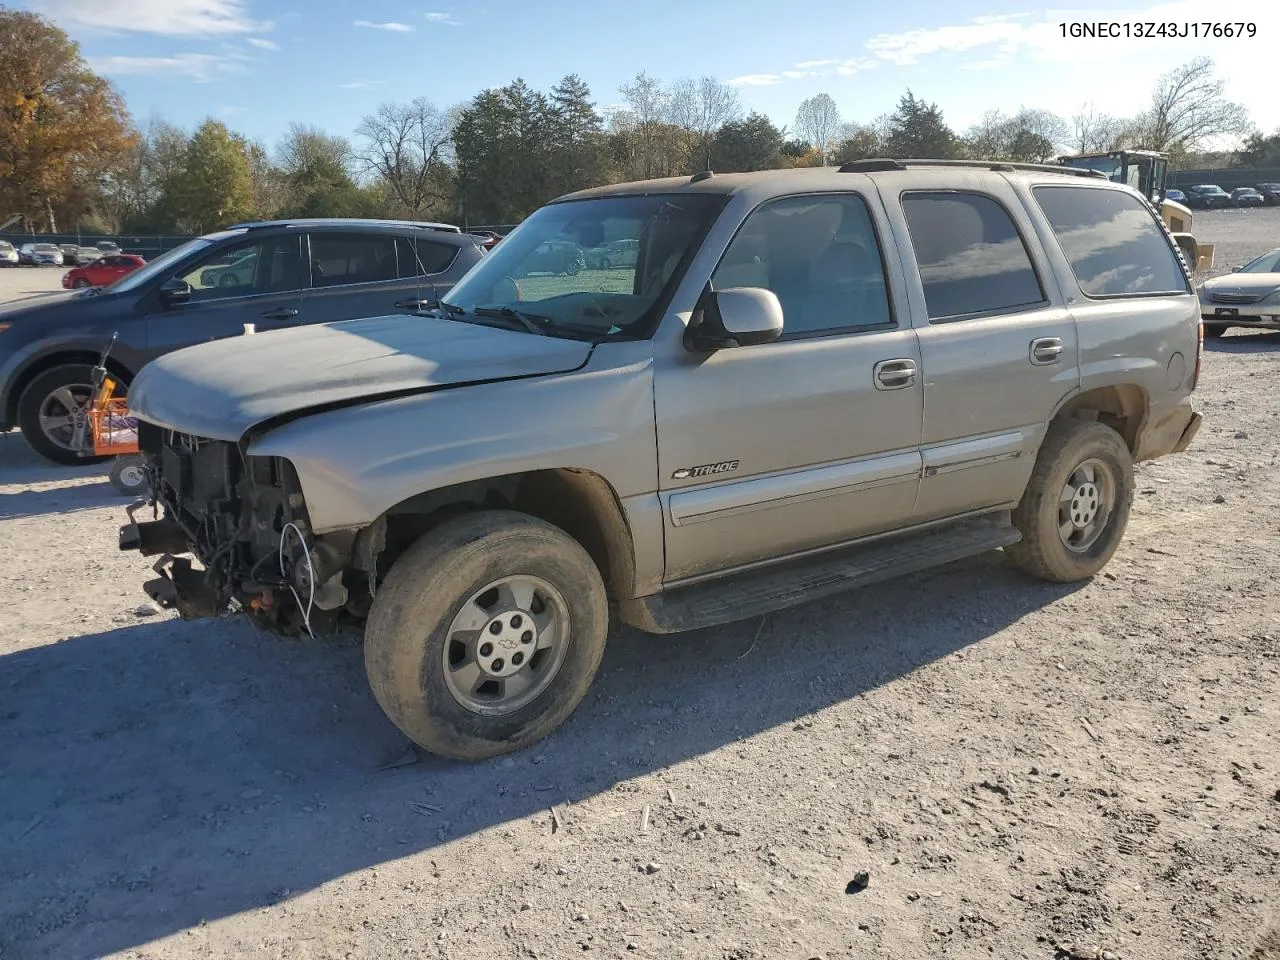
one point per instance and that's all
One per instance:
(579, 502)
(57, 360)
(1123, 408)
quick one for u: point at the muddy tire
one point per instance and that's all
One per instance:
(41, 414)
(1076, 505)
(486, 634)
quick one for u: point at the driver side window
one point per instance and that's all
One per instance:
(267, 265)
(820, 255)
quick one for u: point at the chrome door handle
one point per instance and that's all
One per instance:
(1046, 350)
(894, 374)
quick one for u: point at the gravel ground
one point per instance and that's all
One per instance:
(19, 282)
(1019, 770)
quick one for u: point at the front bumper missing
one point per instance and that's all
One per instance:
(178, 585)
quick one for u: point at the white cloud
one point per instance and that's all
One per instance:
(201, 67)
(262, 44)
(358, 84)
(171, 18)
(757, 80)
(390, 26)
(991, 42)
(447, 18)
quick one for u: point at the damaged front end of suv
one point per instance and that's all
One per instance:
(244, 520)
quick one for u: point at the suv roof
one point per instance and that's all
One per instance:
(823, 178)
(341, 222)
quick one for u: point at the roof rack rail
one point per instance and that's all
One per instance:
(354, 221)
(871, 165)
(1000, 166)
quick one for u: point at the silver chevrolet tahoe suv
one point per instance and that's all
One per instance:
(807, 380)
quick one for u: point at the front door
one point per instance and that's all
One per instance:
(257, 280)
(810, 440)
(997, 344)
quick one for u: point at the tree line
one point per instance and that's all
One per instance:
(70, 154)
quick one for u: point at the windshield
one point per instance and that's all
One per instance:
(131, 281)
(46, 247)
(1267, 263)
(551, 268)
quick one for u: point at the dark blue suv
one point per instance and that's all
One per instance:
(273, 274)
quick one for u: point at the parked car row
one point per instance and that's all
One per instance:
(38, 254)
(1210, 196)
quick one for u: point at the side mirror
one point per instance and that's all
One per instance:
(174, 292)
(737, 317)
(1236, 269)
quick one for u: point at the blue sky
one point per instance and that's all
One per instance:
(260, 64)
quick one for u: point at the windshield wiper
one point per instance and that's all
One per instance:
(522, 317)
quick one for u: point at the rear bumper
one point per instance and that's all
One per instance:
(1170, 431)
(1248, 315)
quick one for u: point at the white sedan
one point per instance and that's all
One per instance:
(1248, 296)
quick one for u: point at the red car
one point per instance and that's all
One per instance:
(106, 270)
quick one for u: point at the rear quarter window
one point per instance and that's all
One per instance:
(1113, 241)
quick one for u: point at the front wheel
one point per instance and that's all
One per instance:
(1212, 331)
(1076, 506)
(53, 413)
(486, 634)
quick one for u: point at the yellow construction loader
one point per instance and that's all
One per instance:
(1145, 171)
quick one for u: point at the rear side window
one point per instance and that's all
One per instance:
(423, 257)
(971, 257)
(1114, 243)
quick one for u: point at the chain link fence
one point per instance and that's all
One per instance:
(147, 247)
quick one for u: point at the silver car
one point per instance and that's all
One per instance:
(8, 254)
(46, 255)
(809, 380)
(1248, 296)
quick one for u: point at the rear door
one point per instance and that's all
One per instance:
(356, 274)
(998, 345)
(257, 280)
(436, 265)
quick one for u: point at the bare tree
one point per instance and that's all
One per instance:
(1092, 131)
(817, 123)
(1188, 108)
(700, 108)
(407, 146)
(649, 108)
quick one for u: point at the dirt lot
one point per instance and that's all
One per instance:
(1016, 767)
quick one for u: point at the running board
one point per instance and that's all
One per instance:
(776, 587)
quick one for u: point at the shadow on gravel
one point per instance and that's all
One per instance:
(21, 466)
(167, 773)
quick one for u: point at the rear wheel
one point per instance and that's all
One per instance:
(53, 413)
(572, 267)
(486, 634)
(1076, 506)
(81, 283)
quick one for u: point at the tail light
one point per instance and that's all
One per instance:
(1195, 379)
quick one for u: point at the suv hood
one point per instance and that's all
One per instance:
(222, 388)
